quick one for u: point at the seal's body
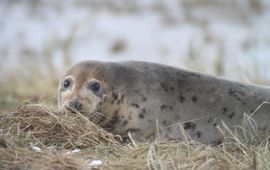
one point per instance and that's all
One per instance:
(151, 100)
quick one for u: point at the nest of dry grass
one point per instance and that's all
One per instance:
(36, 137)
(46, 127)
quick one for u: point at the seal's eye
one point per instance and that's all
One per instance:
(95, 86)
(67, 83)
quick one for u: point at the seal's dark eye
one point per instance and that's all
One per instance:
(95, 86)
(67, 83)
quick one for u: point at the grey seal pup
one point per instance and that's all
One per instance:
(152, 100)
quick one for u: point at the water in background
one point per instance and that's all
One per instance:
(212, 36)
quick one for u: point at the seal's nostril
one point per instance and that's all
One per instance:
(75, 104)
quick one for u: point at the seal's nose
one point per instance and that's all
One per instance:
(75, 104)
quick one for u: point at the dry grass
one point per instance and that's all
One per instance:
(37, 137)
(47, 127)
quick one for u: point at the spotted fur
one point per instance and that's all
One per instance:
(142, 98)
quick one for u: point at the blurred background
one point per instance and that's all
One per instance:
(39, 39)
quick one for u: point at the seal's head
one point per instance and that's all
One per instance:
(83, 89)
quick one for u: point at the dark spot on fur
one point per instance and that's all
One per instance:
(199, 134)
(164, 86)
(121, 99)
(224, 110)
(231, 115)
(214, 124)
(194, 99)
(135, 105)
(164, 122)
(115, 112)
(231, 92)
(163, 107)
(125, 122)
(180, 83)
(114, 120)
(115, 96)
(143, 111)
(189, 125)
(236, 94)
(172, 89)
(144, 99)
(141, 116)
(181, 99)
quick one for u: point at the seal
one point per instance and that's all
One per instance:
(153, 101)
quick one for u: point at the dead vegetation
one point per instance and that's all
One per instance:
(44, 127)
(37, 137)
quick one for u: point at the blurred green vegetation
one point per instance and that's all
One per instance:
(34, 81)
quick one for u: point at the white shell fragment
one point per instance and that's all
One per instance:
(73, 151)
(95, 163)
(36, 149)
